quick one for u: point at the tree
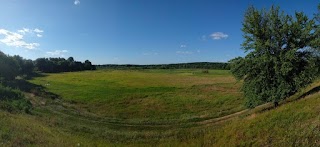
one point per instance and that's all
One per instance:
(280, 58)
(41, 64)
(87, 65)
(9, 68)
(316, 42)
(26, 67)
(70, 59)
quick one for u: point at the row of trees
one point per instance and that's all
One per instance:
(195, 65)
(13, 66)
(54, 65)
(283, 54)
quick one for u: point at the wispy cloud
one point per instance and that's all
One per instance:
(24, 31)
(184, 52)
(36, 31)
(16, 39)
(203, 37)
(57, 53)
(76, 2)
(219, 35)
(183, 46)
(150, 53)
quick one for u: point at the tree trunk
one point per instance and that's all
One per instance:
(276, 104)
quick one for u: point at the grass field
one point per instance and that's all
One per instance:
(149, 95)
(158, 107)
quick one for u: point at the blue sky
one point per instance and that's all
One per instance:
(130, 31)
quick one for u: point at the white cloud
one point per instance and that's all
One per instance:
(76, 2)
(16, 40)
(24, 31)
(27, 30)
(35, 31)
(59, 53)
(184, 52)
(183, 46)
(198, 51)
(38, 30)
(219, 35)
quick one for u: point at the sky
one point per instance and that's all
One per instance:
(131, 31)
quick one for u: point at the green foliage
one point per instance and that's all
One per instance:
(13, 66)
(13, 100)
(280, 58)
(55, 65)
(9, 68)
(26, 67)
(316, 41)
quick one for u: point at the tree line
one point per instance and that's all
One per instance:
(13, 66)
(195, 65)
(55, 65)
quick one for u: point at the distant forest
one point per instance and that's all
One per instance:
(195, 65)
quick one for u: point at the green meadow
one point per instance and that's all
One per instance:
(148, 95)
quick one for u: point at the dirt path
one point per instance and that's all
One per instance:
(61, 110)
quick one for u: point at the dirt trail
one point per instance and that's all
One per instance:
(40, 102)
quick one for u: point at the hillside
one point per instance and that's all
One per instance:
(293, 124)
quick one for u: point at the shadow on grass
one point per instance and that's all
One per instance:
(34, 75)
(312, 91)
(26, 86)
(270, 105)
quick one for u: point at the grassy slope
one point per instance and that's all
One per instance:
(295, 123)
(24, 130)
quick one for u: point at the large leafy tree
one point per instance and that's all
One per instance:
(316, 42)
(280, 58)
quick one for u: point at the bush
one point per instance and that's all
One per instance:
(206, 71)
(13, 100)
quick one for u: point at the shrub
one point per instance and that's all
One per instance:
(13, 100)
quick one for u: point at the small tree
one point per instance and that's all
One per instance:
(280, 58)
